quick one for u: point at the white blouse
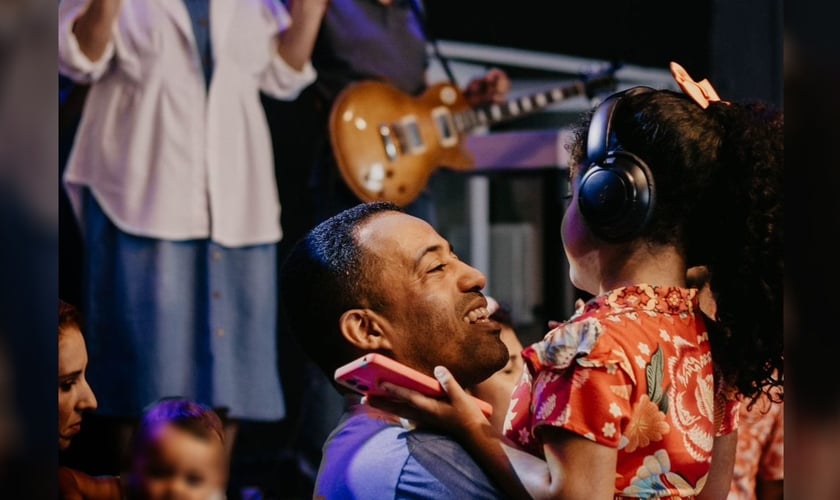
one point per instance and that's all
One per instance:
(164, 157)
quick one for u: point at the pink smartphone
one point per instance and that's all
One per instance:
(364, 374)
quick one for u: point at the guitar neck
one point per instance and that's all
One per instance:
(490, 114)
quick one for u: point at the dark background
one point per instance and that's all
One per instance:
(625, 30)
(736, 44)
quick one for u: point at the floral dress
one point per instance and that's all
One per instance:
(632, 370)
(761, 447)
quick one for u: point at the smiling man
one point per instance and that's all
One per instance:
(374, 279)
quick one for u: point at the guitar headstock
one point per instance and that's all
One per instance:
(600, 79)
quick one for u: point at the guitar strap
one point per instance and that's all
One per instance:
(424, 25)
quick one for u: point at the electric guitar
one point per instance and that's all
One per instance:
(388, 143)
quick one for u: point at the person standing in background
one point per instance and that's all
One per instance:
(170, 177)
(382, 40)
(359, 40)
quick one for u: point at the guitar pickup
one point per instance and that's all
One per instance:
(445, 126)
(410, 135)
(388, 142)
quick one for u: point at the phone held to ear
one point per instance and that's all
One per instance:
(364, 375)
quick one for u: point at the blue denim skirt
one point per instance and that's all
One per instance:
(179, 318)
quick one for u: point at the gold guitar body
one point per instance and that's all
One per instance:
(387, 143)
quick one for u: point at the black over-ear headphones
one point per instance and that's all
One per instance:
(616, 193)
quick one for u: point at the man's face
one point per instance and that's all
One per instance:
(436, 312)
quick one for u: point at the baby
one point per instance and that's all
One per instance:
(178, 453)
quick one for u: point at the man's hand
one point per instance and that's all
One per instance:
(491, 88)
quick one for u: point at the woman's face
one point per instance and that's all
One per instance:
(74, 394)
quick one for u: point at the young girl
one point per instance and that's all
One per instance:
(178, 453)
(635, 395)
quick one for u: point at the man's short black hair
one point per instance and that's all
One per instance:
(326, 274)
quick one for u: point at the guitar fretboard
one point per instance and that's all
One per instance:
(481, 116)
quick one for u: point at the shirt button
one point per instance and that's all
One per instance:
(220, 332)
(217, 255)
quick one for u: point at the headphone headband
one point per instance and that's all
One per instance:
(598, 139)
(616, 192)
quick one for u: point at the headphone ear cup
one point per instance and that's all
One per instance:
(616, 196)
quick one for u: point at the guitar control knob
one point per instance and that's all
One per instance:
(448, 95)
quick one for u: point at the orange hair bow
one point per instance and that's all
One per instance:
(702, 92)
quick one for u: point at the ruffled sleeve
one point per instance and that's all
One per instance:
(573, 383)
(586, 387)
(565, 343)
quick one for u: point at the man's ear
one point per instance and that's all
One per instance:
(364, 329)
